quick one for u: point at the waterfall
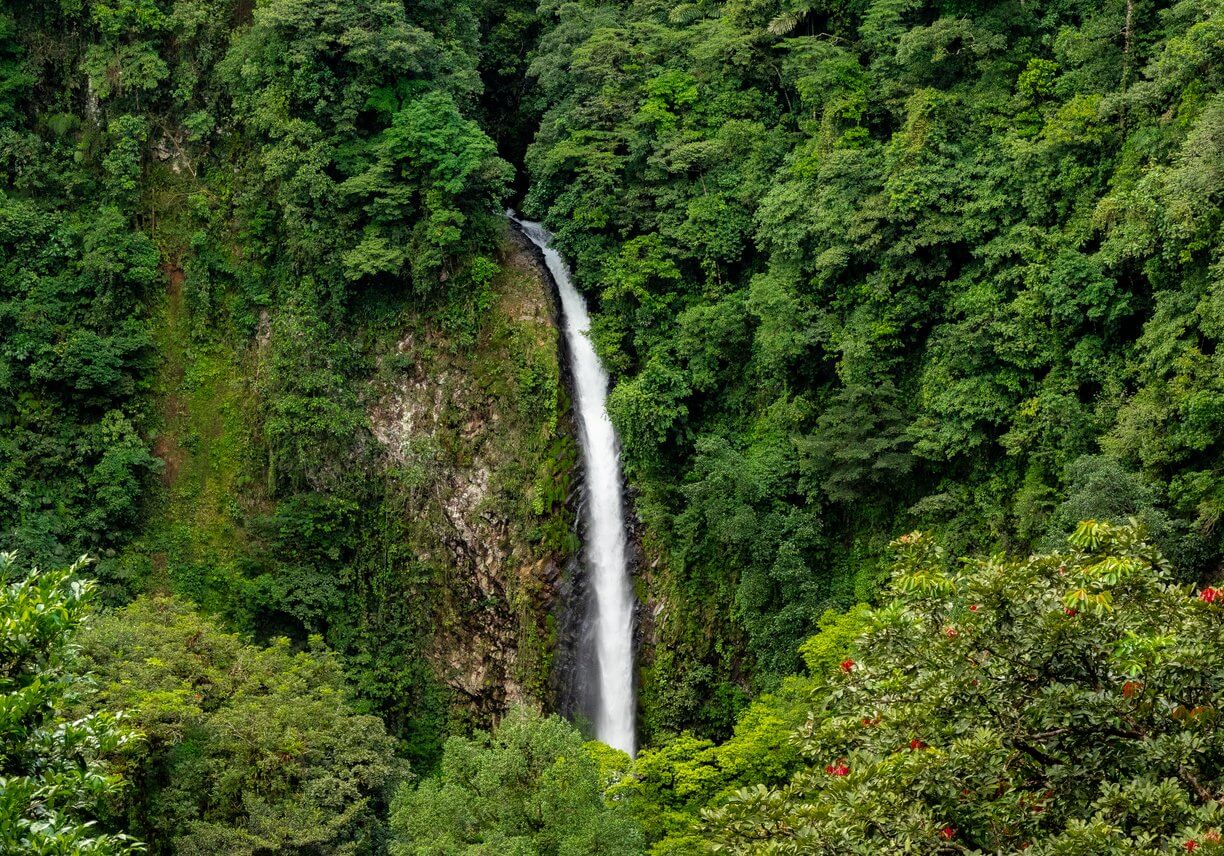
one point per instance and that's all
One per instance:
(605, 550)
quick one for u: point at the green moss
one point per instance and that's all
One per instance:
(194, 543)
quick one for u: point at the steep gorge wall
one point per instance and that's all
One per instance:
(484, 431)
(443, 592)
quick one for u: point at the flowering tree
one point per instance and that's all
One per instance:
(1061, 704)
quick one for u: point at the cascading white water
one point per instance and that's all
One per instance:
(605, 551)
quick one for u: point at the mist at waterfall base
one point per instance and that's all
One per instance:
(605, 551)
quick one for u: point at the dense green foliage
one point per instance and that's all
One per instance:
(865, 266)
(674, 781)
(214, 218)
(248, 749)
(76, 281)
(55, 772)
(1064, 703)
(857, 267)
(530, 788)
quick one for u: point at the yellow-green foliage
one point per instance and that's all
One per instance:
(249, 747)
(530, 786)
(673, 781)
(59, 768)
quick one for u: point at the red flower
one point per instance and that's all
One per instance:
(1130, 688)
(847, 665)
(1209, 595)
(917, 744)
(1192, 844)
(973, 607)
(838, 768)
(1071, 611)
(951, 632)
(947, 833)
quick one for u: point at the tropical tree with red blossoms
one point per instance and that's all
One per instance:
(1061, 704)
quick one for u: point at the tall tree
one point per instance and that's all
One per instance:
(530, 787)
(249, 749)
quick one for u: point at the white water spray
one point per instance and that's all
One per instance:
(605, 550)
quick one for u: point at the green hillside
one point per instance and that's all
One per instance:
(893, 295)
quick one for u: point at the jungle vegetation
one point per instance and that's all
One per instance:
(870, 267)
(893, 293)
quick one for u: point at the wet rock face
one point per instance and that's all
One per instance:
(475, 430)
